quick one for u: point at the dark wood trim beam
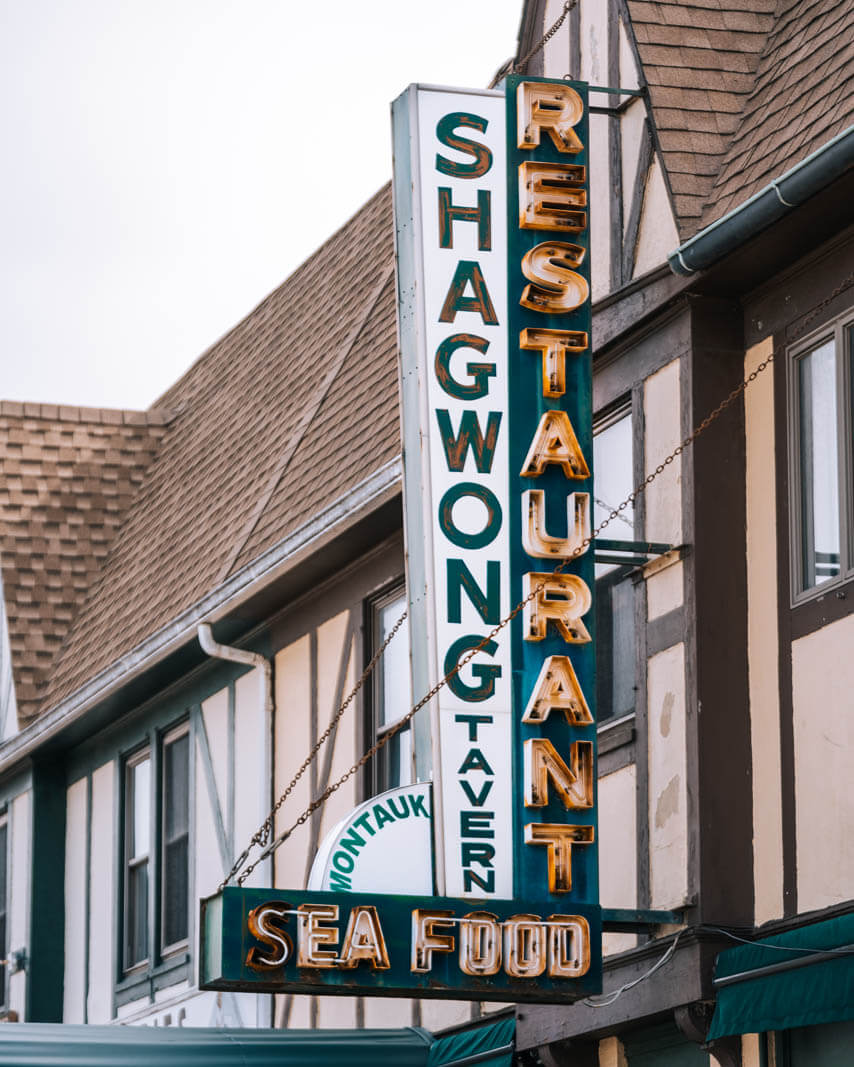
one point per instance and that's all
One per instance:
(719, 712)
(615, 153)
(630, 243)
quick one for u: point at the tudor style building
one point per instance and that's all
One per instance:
(261, 496)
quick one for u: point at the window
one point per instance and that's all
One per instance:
(176, 836)
(4, 893)
(615, 601)
(156, 850)
(137, 845)
(822, 392)
(391, 692)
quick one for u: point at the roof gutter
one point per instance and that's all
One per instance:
(777, 199)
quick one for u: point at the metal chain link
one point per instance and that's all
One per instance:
(519, 66)
(580, 549)
(262, 834)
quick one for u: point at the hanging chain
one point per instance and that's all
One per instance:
(520, 65)
(262, 837)
(262, 834)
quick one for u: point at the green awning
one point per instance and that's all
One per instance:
(484, 1046)
(800, 978)
(54, 1045)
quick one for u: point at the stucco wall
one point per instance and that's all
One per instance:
(618, 849)
(822, 688)
(668, 822)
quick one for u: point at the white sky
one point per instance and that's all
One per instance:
(169, 162)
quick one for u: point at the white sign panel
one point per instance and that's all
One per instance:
(451, 214)
(383, 846)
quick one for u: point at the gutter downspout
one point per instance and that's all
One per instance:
(255, 660)
(777, 199)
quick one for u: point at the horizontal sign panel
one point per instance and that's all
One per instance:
(281, 941)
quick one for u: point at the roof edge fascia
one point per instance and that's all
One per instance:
(776, 199)
(215, 605)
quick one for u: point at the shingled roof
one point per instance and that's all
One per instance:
(699, 60)
(740, 91)
(803, 95)
(67, 478)
(291, 409)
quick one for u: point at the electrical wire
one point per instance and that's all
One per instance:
(607, 999)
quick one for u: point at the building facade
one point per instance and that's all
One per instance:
(261, 497)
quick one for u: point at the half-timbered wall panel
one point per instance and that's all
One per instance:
(657, 235)
(214, 786)
(102, 895)
(664, 589)
(76, 833)
(251, 782)
(335, 679)
(662, 433)
(822, 684)
(633, 126)
(293, 740)
(600, 209)
(763, 639)
(668, 795)
(218, 716)
(594, 32)
(618, 848)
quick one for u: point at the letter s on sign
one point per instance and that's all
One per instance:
(445, 132)
(555, 286)
(266, 923)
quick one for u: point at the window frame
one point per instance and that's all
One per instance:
(839, 330)
(376, 779)
(168, 737)
(137, 979)
(623, 407)
(139, 755)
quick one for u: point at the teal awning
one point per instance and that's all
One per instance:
(54, 1045)
(800, 978)
(484, 1046)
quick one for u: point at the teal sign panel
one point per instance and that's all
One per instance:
(283, 941)
(551, 472)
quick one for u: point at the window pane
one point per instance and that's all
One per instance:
(175, 782)
(137, 916)
(175, 891)
(399, 759)
(615, 644)
(176, 821)
(612, 473)
(396, 688)
(615, 591)
(819, 465)
(139, 800)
